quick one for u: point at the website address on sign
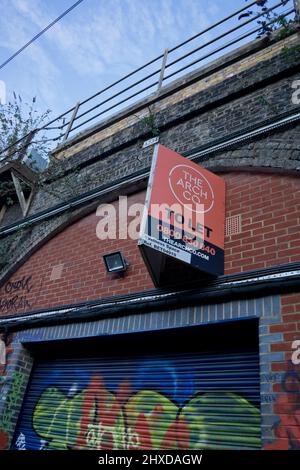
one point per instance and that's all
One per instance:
(187, 248)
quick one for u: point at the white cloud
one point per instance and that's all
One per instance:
(41, 73)
(96, 43)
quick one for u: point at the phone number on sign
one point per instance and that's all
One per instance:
(189, 241)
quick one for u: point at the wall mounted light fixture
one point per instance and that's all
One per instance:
(115, 263)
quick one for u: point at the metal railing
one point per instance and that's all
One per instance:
(235, 29)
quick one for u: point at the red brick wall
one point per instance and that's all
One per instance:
(270, 210)
(84, 277)
(290, 328)
(286, 377)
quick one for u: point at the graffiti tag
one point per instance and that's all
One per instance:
(268, 398)
(17, 295)
(23, 284)
(21, 442)
(271, 378)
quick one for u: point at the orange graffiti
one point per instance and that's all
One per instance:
(101, 425)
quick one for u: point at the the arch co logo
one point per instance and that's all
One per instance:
(191, 188)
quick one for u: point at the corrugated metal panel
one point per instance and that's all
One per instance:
(178, 401)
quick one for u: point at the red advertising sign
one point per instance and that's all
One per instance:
(184, 213)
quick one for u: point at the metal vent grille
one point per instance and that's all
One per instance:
(233, 225)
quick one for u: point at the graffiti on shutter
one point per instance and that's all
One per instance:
(159, 405)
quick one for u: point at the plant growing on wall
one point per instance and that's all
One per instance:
(17, 120)
(150, 123)
(19, 136)
(270, 21)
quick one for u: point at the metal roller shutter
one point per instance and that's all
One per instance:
(175, 401)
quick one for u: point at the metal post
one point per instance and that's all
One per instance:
(297, 9)
(162, 71)
(69, 128)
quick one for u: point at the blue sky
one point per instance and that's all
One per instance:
(95, 44)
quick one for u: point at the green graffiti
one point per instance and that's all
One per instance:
(57, 418)
(212, 426)
(12, 400)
